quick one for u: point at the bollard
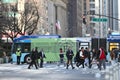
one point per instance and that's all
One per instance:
(118, 69)
(111, 72)
(114, 72)
(107, 74)
(117, 72)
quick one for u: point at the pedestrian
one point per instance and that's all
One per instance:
(94, 58)
(33, 56)
(112, 55)
(102, 58)
(89, 57)
(81, 57)
(37, 58)
(69, 55)
(77, 58)
(61, 55)
(86, 56)
(41, 56)
(116, 51)
(18, 54)
(5, 58)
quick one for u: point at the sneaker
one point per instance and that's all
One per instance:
(28, 67)
(85, 64)
(73, 67)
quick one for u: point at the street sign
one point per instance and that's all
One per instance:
(99, 19)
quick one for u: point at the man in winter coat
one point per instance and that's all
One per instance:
(69, 55)
(42, 56)
(33, 58)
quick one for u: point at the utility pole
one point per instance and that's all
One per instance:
(99, 35)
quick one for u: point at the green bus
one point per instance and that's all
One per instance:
(51, 46)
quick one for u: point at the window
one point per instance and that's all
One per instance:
(25, 47)
(91, 18)
(9, 1)
(92, 5)
(92, 0)
(92, 12)
(92, 24)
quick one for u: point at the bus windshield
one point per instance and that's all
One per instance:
(25, 47)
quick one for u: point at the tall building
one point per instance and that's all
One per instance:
(75, 12)
(50, 12)
(96, 9)
(113, 12)
(119, 15)
(103, 25)
(89, 10)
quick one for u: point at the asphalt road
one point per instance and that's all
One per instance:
(49, 72)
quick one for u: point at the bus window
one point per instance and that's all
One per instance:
(25, 47)
(15, 46)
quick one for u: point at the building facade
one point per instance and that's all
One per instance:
(75, 12)
(96, 9)
(57, 17)
(113, 11)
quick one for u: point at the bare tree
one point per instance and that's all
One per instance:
(19, 22)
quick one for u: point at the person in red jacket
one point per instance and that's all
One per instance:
(102, 58)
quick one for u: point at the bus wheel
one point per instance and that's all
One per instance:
(27, 59)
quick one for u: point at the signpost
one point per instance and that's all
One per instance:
(99, 19)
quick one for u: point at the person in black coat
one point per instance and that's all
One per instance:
(77, 57)
(41, 56)
(69, 55)
(37, 54)
(33, 59)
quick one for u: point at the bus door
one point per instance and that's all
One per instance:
(84, 42)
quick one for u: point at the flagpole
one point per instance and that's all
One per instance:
(56, 18)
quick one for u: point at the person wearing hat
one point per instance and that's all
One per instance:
(18, 54)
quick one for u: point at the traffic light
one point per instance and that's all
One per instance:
(84, 21)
